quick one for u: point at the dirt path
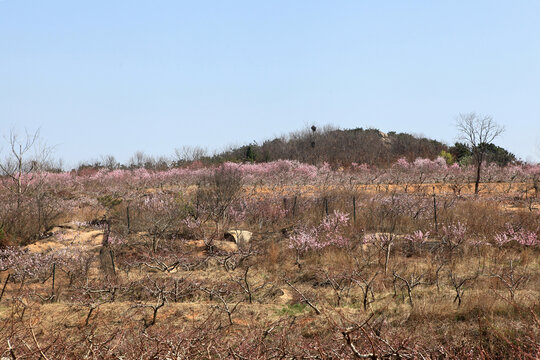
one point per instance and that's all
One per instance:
(69, 235)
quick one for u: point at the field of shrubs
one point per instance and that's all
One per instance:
(279, 260)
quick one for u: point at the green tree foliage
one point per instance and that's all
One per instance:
(498, 155)
(251, 152)
(448, 157)
(462, 154)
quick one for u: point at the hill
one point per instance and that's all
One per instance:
(338, 147)
(342, 147)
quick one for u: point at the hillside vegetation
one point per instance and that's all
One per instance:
(342, 147)
(336, 147)
(363, 262)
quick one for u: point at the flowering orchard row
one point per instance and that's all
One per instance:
(292, 172)
(133, 264)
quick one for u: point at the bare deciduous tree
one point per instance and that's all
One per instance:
(20, 164)
(414, 280)
(478, 131)
(215, 195)
(110, 162)
(188, 153)
(29, 207)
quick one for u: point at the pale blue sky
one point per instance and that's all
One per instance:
(114, 77)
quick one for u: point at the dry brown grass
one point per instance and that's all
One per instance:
(488, 323)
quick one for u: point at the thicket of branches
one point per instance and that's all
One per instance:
(337, 147)
(360, 262)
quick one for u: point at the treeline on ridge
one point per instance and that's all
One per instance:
(337, 147)
(341, 147)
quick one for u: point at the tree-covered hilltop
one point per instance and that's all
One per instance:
(337, 147)
(341, 147)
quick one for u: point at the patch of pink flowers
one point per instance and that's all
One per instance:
(418, 237)
(522, 237)
(329, 232)
(454, 234)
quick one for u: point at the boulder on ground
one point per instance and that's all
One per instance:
(238, 236)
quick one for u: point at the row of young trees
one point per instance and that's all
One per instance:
(337, 268)
(375, 148)
(314, 146)
(34, 200)
(333, 146)
(347, 272)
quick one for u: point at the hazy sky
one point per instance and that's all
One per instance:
(114, 77)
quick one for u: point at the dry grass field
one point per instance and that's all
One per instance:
(330, 272)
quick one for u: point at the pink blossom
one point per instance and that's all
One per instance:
(329, 232)
(418, 237)
(403, 163)
(192, 223)
(454, 234)
(522, 237)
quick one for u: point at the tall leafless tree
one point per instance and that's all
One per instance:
(25, 159)
(188, 153)
(478, 131)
